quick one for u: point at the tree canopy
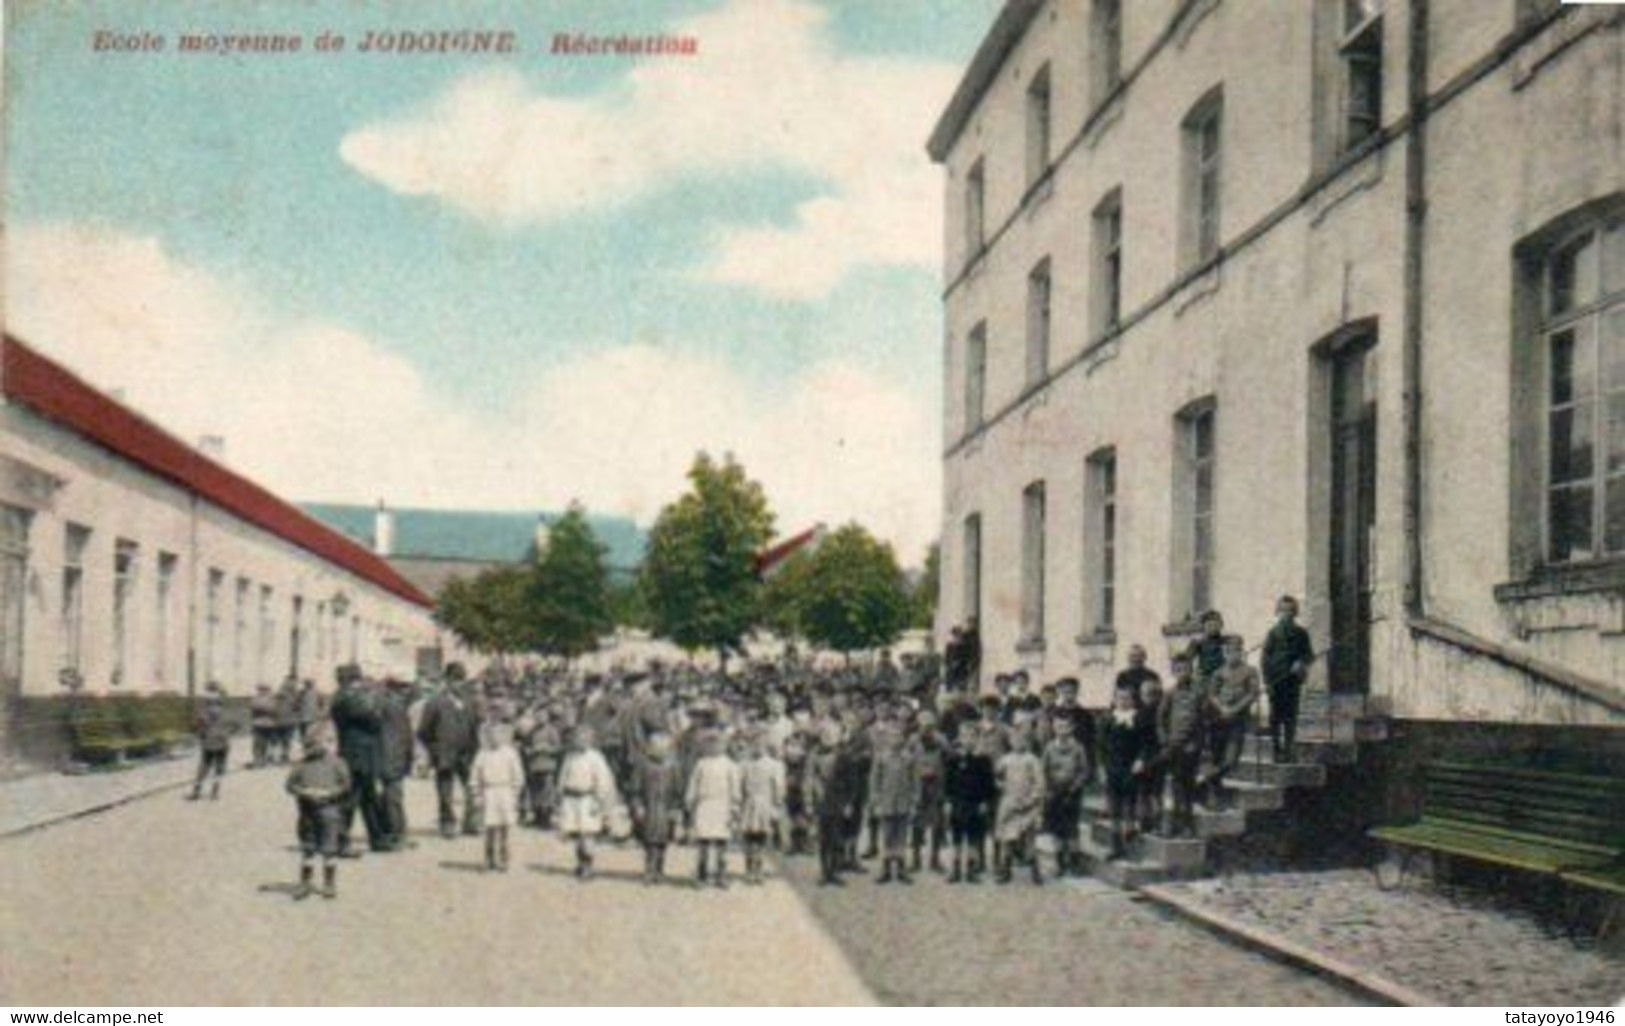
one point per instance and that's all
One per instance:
(568, 600)
(699, 575)
(851, 594)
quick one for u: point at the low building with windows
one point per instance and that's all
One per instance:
(1246, 299)
(132, 563)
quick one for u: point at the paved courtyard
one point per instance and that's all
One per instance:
(162, 901)
(1464, 948)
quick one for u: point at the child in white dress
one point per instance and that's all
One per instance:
(498, 777)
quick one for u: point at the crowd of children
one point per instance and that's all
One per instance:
(841, 766)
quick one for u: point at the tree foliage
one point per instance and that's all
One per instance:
(490, 612)
(699, 575)
(923, 594)
(851, 594)
(568, 600)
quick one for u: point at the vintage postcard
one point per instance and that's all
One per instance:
(812, 502)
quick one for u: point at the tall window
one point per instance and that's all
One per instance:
(74, 544)
(1032, 562)
(975, 209)
(14, 523)
(215, 596)
(1198, 466)
(1100, 540)
(1108, 245)
(1361, 53)
(296, 636)
(1038, 322)
(1203, 165)
(162, 615)
(321, 635)
(124, 565)
(1106, 45)
(263, 669)
(973, 565)
(239, 635)
(976, 377)
(1584, 337)
(1038, 126)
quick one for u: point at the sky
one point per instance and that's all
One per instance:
(503, 281)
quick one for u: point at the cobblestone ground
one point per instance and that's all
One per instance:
(167, 902)
(1470, 950)
(1071, 943)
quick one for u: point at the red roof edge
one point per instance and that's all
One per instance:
(768, 559)
(57, 394)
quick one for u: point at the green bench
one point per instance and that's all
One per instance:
(1566, 826)
(99, 731)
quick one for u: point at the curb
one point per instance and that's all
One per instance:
(91, 810)
(1291, 952)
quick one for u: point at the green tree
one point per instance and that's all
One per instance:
(923, 598)
(853, 595)
(699, 576)
(781, 597)
(490, 612)
(567, 605)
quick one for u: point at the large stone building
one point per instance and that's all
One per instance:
(133, 563)
(1327, 298)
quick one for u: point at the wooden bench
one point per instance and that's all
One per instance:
(1566, 826)
(99, 732)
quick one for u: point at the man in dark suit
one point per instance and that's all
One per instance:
(357, 719)
(395, 744)
(450, 733)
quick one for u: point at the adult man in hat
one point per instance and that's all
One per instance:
(396, 750)
(357, 718)
(450, 732)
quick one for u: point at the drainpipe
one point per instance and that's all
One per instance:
(1416, 94)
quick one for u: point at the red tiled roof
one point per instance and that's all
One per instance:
(769, 559)
(56, 393)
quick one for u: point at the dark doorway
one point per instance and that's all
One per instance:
(1353, 515)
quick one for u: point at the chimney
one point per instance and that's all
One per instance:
(543, 532)
(213, 446)
(383, 531)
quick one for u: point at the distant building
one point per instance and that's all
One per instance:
(131, 562)
(432, 547)
(1319, 298)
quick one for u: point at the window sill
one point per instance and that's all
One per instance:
(1100, 637)
(1559, 581)
(1027, 646)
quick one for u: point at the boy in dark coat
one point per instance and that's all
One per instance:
(928, 751)
(972, 791)
(1124, 743)
(1288, 654)
(1066, 768)
(893, 796)
(834, 788)
(319, 783)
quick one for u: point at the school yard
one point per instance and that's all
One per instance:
(161, 901)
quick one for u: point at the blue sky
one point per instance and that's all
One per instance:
(463, 250)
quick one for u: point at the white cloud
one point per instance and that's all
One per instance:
(318, 411)
(769, 89)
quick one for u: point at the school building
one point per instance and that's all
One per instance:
(134, 563)
(1327, 298)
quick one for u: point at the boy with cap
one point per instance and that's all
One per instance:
(319, 783)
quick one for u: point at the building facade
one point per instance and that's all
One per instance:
(131, 562)
(1327, 298)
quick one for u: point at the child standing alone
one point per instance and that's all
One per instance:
(498, 776)
(761, 785)
(319, 783)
